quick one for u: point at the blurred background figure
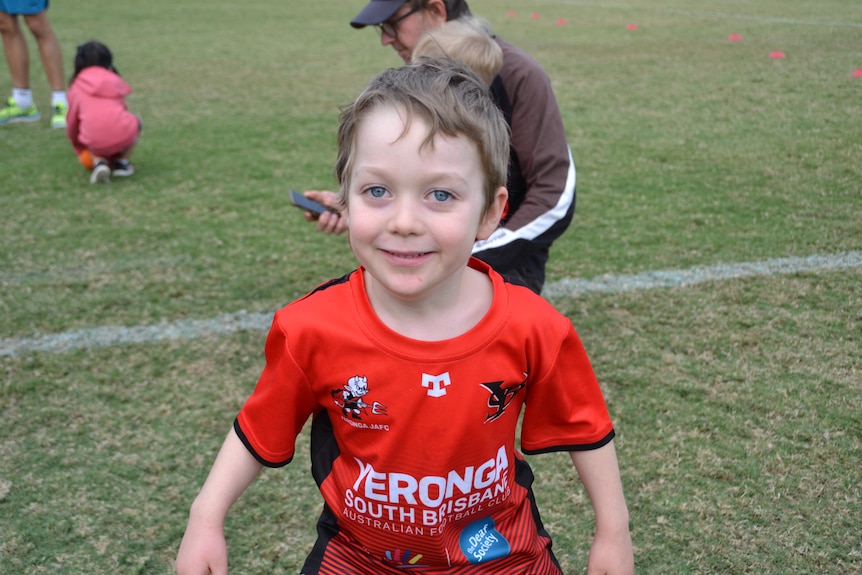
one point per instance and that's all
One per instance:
(20, 107)
(102, 130)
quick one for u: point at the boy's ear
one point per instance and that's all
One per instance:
(493, 215)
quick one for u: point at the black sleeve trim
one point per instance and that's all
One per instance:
(251, 450)
(584, 447)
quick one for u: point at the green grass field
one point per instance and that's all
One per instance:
(738, 403)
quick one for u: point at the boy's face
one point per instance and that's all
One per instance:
(415, 211)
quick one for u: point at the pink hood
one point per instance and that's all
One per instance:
(101, 83)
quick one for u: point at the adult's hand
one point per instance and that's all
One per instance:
(329, 222)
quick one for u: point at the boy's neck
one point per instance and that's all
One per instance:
(445, 315)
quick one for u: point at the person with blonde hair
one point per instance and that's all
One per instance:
(466, 40)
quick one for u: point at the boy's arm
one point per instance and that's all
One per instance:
(611, 552)
(203, 549)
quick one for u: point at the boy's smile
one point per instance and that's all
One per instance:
(415, 208)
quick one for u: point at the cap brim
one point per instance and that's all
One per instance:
(376, 12)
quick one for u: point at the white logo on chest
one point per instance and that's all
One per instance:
(436, 384)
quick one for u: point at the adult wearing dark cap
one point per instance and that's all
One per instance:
(541, 179)
(541, 170)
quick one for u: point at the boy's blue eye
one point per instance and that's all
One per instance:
(377, 192)
(441, 195)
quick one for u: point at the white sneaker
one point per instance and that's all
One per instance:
(101, 173)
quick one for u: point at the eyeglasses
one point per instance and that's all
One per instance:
(388, 27)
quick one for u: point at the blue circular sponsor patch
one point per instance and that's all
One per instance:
(481, 543)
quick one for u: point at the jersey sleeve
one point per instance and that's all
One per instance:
(281, 403)
(565, 409)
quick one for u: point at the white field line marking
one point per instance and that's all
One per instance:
(700, 274)
(107, 336)
(72, 273)
(721, 15)
(257, 321)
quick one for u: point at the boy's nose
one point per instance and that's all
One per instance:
(405, 218)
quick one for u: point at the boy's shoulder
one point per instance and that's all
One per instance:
(317, 316)
(325, 295)
(524, 310)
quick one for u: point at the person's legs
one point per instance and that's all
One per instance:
(52, 62)
(15, 47)
(49, 49)
(20, 107)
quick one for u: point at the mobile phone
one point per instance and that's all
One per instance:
(300, 201)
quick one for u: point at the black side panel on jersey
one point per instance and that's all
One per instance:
(327, 528)
(524, 477)
(324, 451)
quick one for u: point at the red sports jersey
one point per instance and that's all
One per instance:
(413, 442)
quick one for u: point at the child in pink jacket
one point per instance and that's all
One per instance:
(102, 131)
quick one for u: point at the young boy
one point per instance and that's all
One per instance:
(415, 367)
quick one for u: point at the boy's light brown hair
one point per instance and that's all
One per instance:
(449, 98)
(466, 40)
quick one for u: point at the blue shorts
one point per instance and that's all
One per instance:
(25, 7)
